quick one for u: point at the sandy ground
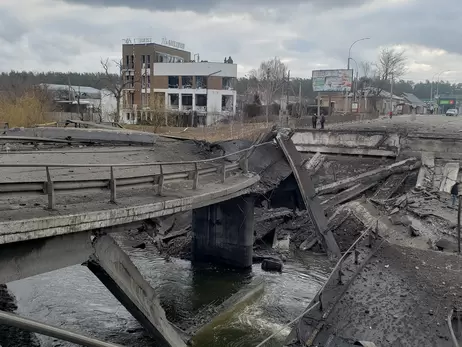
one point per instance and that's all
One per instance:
(401, 298)
(210, 134)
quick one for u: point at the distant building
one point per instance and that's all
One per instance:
(412, 104)
(75, 102)
(166, 77)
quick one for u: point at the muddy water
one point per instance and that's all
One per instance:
(73, 298)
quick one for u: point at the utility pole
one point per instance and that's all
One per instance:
(300, 97)
(287, 101)
(288, 84)
(391, 93)
(458, 225)
(267, 94)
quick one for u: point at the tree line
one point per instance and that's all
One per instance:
(269, 82)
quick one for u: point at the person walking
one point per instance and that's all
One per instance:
(454, 193)
(314, 120)
(322, 120)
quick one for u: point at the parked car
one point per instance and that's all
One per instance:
(452, 112)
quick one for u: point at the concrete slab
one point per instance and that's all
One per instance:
(117, 272)
(307, 191)
(88, 135)
(450, 174)
(87, 212)
(426, 172)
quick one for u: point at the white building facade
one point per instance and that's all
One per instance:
(203, 88)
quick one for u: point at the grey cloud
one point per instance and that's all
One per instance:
(11, 27)
(204, 6)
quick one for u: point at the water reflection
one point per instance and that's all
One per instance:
(73, 298)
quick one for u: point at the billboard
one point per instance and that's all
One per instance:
(332, 80)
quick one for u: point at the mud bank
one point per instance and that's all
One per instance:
(10, 336)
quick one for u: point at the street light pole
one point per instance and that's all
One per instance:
(438, 85)
(349, 51)
(348, 65)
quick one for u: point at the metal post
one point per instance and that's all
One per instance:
(50, 190)
(113, 186)
(300, 98)
(161, 181)
(356, 255)
(287, 96)
(391, 93)
(319, 104)
(196, 177)
(339, 281)
(48, 330)
(245, 163)
(223, 172)
(458, 225)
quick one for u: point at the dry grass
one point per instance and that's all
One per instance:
(24, 110)
(249, 131)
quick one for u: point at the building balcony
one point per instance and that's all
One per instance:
(195, 69)
(128, 67)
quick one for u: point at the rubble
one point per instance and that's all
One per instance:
(271, 265)
(315, 163)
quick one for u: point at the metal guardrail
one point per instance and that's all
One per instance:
(49, 330)
(50, 186)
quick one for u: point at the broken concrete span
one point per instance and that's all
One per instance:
(117, 272)
(374, 175)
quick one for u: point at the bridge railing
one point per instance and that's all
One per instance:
(51, 186)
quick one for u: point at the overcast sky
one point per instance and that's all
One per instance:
(73, 35)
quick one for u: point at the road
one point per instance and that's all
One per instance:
(164, 150)
(424, 123)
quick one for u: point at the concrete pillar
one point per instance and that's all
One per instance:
(223, 233)
(117, 272)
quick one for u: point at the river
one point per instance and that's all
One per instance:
(73, 298)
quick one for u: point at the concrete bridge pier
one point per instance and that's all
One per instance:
(223, 233)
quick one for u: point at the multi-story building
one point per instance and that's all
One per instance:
(164, 77)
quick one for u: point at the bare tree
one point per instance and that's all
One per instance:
(269, 80)
(115, 83)
(390, 64)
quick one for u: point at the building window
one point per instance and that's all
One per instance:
(227, 83)
(167, 58)
(128, 116)
(143, 59)
(173, 100)
(132, 99)
(227, 103)
(144, 99)
(149, 60)
(173, 81)
(187, 101)
(145, 81)
(201, 100)
(201, 82)
(127, 61)
(186, 82)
